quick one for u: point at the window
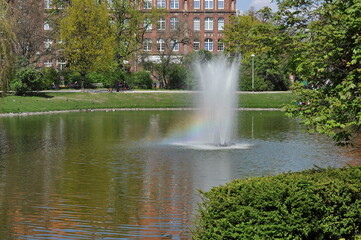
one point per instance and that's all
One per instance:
(197, 4)
(61, 64)
(160, 44)
(174, 45)
(147, 45)
(147, 24)
(160, 3)
(196, 24)
(161, 24)
(220, 46)
(208, 24)
(220, 24)
(147, 4)
(208, 4)
(174, 23)
(47, 44)
(109, 3)
(48, 63)
(47, 26)
(220, 4)
(196, 45)
(174, 4)
(48, 4)
(208, 44)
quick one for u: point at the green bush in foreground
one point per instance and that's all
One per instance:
(312, 204)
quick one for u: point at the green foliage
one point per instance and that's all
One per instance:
(27, 79)
(258, 34)
(50, 77)
(327, 54)
(313, 204)
(88, 36)
(177, 77)
(7, 46)
(141, 80)
(108, 79)
(129, 27)
(188, 61)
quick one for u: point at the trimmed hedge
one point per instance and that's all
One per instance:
(312, 204)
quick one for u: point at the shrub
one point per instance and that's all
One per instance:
(141, 80)
(312, 204)
(108, 79)
(177, 77)
(50, 77)
(27, 79)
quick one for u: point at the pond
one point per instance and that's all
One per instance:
(114, 175)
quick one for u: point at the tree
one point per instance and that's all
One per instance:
(88, 37)
(168, 45)
(7, 45)
(30, 35)
(257, 33)
(130, 24)
(327, 43)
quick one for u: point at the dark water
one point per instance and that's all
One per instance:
(110, 176)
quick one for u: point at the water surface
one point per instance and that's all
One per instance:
(117, 175)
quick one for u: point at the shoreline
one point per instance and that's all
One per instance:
(119, 110)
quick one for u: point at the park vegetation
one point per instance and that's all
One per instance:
(312, 47)
(312, 204)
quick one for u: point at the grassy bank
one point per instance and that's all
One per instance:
(76, 100)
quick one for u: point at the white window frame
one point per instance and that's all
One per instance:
(160, 44)
(196, 24)
(147, 4)
(174, 22)
(196, 45)
(147, 25)
(208, 4)
(147, 45)
(47, 44)
(48, 63)
(60, 64)
(48, 4)
(161, 4)
(174, 45)
(220, 24)
(174, 4)
(208, 24)
(47, 26)
(208, 44)
(220, 4)
(197, 4)
(161, 24)
(220, 45)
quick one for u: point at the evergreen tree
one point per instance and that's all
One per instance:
(87, 33)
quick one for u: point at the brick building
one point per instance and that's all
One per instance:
(203, 19)
(187, 25)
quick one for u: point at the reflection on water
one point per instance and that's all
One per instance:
(110, 175)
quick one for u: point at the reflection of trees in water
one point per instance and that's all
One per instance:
(63, 170)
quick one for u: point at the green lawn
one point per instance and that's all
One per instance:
(68, 101)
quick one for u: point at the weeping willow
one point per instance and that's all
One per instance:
(7, 41)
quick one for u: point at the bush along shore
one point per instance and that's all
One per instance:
(136, 100)
(312, 204)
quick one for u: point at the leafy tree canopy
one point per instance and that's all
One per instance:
(7, 45)
(326, 42)
(88, 37)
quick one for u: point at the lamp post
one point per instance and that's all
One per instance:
(252, 71)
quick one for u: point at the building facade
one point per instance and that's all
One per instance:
(187, 25)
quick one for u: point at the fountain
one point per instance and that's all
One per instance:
(215, 119)
(218, 80)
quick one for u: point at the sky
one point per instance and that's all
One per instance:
(245, 5)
